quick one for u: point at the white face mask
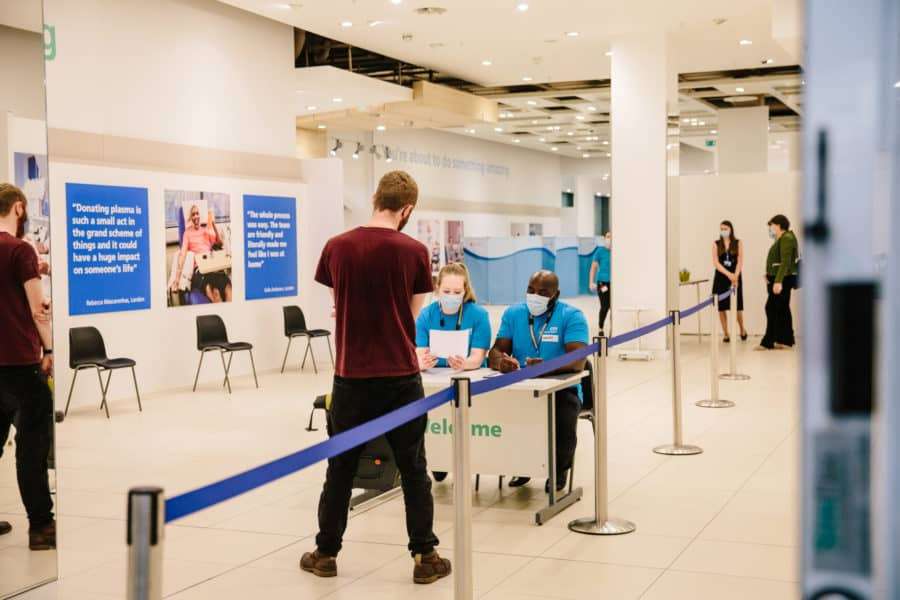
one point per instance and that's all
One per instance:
(725, 233)
(772, 233)
(537, 304)
(450, 303)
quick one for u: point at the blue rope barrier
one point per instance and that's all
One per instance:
(695, 309)
(196, 500)
(618, 340)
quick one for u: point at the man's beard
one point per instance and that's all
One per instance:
(20, 226)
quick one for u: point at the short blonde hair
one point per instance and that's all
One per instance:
(463, 271)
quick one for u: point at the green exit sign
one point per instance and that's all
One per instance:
(710, 143)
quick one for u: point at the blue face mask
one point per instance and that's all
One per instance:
(537, 304)
(450, 303)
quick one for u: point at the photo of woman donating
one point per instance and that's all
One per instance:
(728, 260)
(455, 309)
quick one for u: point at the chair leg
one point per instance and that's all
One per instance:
(312, 355)
(104, 404)
(71, 389)
(477, 481)
(227, 382)
(197, 376)
(500, 482)
(253, 366)
(136, 390)
(572, 476)
(284, 362)
(305, 354)
(227, 369)
(309, 426)
(330, 353)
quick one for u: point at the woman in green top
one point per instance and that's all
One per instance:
(781, 278)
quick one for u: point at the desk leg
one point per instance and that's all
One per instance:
(556, 505)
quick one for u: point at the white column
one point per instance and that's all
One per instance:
(743, 140)
(641, 81)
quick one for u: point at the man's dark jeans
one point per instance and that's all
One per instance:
(26, 402)
(354, 402)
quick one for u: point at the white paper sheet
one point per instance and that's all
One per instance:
(445, 344)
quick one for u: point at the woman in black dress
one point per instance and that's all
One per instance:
(728, 260)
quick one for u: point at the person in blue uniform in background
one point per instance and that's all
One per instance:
(600, 278)
(539, 329)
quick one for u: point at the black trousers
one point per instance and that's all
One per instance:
(567, 409)
(605, 301)
(26, 402)
(356, 401)
(779, 322)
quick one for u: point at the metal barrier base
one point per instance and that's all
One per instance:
(561, 504)
(590, 526)
(673, 450)
(734, 377)
(714, 403)
(643, 355)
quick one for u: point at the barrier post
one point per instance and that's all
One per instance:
(714, 401)
(677, 448)
(146, 520)
(601, 523)
(732, 374)
(462, 492)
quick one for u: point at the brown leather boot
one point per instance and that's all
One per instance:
(319, 564)
(430, 567)
(43, 538)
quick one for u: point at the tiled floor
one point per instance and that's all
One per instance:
(718, 525)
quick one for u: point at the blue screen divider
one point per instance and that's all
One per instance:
(501, 267)
(568, 266)
(586, 248)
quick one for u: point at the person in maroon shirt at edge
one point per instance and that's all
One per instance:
(25, 398)
(379, 278)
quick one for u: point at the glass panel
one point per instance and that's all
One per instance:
(27, 489)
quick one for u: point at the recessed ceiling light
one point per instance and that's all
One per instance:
(543, 140)
(714, 131)
(572, 33)
(321, 126)
(739, 89)
(606, 142)
(527, 78)
(685, 120)
(578, 147)
(516, 141)
(376, 23)
(498, 129)
(897, 85)
(396, 2)
(346, 24)
(486, 63)
(592, 108)
(532, 103)
(608, 155)
(534, 121)
(579, 117)
(381, 128)
(549, 127)
(609, 53)
(522, 6)
(554, 148)
(568, 190)
(768, 61)
(571, 133)
(337, 99)
(702, 123)
(311, 107)
(746, 42)
(585, 155)
(471, 131)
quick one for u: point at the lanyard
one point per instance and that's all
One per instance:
(459, 317)
(540, 340)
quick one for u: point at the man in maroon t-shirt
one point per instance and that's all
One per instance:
(26, 358)
(379, 278)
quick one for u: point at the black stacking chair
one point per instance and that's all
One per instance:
(212, 337)
(87, 351)
(295, 326)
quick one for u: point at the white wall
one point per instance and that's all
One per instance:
(695, 161)
(743, 141)
(22, 67)
(748, 201)
(193, 72)
(529, 178)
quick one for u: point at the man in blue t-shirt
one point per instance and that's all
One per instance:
(539, 329)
